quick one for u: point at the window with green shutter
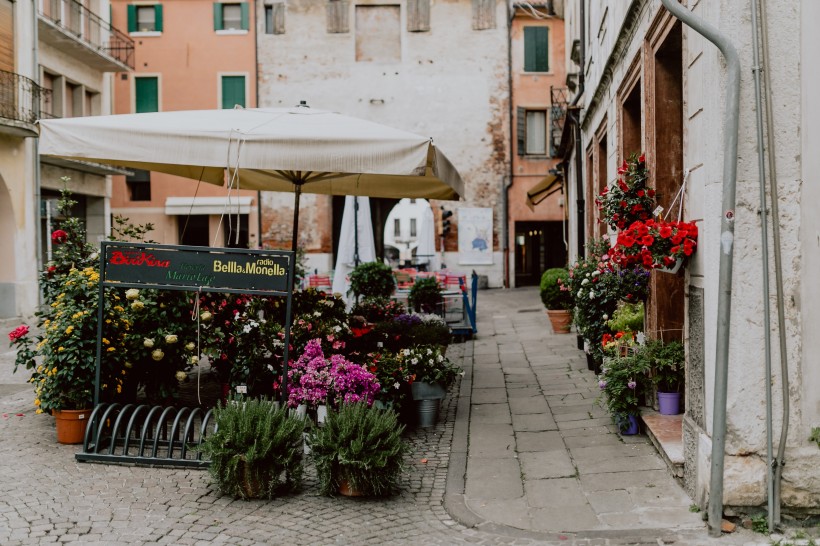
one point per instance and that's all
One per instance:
(233, 91)
(536, 49)
(231, 16)
(145, 18)
(146, 91)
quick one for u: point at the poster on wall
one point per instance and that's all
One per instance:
(475, 236)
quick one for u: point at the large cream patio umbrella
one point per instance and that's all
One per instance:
(274, 149)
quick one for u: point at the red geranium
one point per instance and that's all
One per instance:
(655, 243)
(628, 199)
(59, 236)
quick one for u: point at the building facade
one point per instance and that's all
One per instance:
(434, 68)
(654, 85)
(190, 55)
(57, 59)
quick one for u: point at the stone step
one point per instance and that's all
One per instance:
(666, 434)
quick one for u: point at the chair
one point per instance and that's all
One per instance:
(319, 282)
(403, 279)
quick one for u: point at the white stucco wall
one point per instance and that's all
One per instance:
(450, 84)
(704, 95)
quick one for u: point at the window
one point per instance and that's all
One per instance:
(532, 131)
(275, 18)
(145, 18)
(231, 240)
(536, 49)
(412, 227)
(233, 91)
(139, 185)
(146, 94)
(231, 17)
(194, 230)
(396, 228)
(378, 34)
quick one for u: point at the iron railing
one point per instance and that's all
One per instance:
(20, 97)
(559, 97)
(89, 27)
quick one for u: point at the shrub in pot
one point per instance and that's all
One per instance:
(256, 449)
(372, 280)
(666, 362)
(359, 451)
(557, 298)
(425, 296)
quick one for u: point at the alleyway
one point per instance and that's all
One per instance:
(521, 455)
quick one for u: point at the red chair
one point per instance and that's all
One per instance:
(319, 282)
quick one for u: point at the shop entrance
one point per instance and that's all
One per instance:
(538, 247)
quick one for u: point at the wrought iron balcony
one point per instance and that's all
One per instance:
(78, 31)
(558, 113)
(20, 102)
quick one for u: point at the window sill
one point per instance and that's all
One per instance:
(231, 32)
(145, 34)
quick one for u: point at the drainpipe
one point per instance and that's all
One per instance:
(727, 228)
(506, 184)
(580, 204)
(38, 229)
(256, 104)
(764, 256)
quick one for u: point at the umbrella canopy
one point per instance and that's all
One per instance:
(356, 244)
(272, 148)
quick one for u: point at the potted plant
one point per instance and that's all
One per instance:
(555, 294)
(255, 449)
(629, 199)
(359, 451)
(432, 374)
(425, 296)
(620, 381)
(655, 244)
(666, 362)
(372, 280)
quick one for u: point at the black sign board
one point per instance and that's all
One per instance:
(208, 269)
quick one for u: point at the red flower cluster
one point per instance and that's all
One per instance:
(655, 243)
(629, 199)
(59, 236)
(18, 332)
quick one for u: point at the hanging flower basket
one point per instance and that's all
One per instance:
(655, 244)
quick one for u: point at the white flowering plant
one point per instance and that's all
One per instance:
(427, 363)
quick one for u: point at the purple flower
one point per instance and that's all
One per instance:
(408, 320)
(602, 384)
(631, 384)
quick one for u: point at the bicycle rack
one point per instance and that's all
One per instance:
(146, 435)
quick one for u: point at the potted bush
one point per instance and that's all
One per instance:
(359, 451)
(666, 362)
(372, 280)
(255, 449)
(425, 296)
(556, 296)
(620, 381)
(432, 374)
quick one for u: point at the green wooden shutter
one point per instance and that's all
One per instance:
(158, 17)
(147, 94)
(245, 15)
(233, 91)
(521, 129)
(132, 18)
(217, 16)
(536, 49)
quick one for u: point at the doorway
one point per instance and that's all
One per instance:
(538, 246)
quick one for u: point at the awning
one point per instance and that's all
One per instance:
(207, 205)
(546, 187)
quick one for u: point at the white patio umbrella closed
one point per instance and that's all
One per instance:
(356, 243)
(426, 250)
(277, 149)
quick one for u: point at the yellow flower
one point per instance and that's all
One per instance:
(148, 343)
(181, 376)
(127, 364)
(69, 330)
(36, 401)
(118, 308)
(170, 339)
(157, 354)
(54, 369)
(38, 411)
(119, 389)
(39, 369)
(137, 305)
(132, 294)
(111, 349)
(60, 349)
(105, 341)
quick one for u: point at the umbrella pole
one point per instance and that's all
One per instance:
(355, 231)
(298, 194)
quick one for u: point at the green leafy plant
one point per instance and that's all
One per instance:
(425, 295)
(360, 445)
(666, 360)
(815, 435)
(255, 450)
(760, 524)
(372, 280)
(555, 291)
(628, 317)
(620, 380)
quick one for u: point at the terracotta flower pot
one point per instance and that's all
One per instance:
(71, 425)
(561, 320)
(347, 490)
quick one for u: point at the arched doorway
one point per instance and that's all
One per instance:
(8, 270)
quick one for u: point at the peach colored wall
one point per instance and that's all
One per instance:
(188, 57)
(532, 90)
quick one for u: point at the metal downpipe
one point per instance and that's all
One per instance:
(778, 265)
(764, 255)
(727, 228)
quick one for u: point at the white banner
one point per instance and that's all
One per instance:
(475, 236)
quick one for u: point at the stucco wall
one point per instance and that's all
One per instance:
(450, 84)
(704, 94)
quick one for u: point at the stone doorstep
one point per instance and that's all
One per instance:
(666, 434)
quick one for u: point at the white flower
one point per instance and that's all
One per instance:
(93, 256)
(247, 328)
(580, 293)
(337, 328)
(414, 361)
(148, 342)
(317, 314)
(596, 273)
(606, 317)
(584, 282)
(270, 367)
(407, 352)
(439, 358)
(205, 316)
(396, 385)
(137, 305)
(131, 294)
(190, 345)
(157, 354)
(429, 351)
(181, 376)
(170, 339)
(591, 295)
(194, 359)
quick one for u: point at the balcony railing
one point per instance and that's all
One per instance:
(87, 26)
(558, 112)
(20, 98)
